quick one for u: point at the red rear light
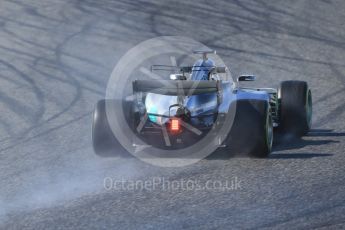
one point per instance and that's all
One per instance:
(175, 125)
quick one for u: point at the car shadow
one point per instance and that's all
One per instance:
(325, 133)
(288, 142)
(281, 143)
(298, 155)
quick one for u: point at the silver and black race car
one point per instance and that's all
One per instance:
(196, 100)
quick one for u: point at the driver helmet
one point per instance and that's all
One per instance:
(201, 70)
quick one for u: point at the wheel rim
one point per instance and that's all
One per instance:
(269, 132)
(309, 108)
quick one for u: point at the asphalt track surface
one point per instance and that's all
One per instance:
(55, 60)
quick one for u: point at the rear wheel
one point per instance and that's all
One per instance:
(252, 131)
(295, 107)
(103, 139)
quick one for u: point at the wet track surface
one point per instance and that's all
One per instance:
(55, 60)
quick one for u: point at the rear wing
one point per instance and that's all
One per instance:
(176, 87)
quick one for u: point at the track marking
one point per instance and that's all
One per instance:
(173, 60)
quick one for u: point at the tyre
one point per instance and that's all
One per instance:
(252, 130)
(103, 139)
(295, 107)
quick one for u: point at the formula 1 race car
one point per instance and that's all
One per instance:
(178, 112)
